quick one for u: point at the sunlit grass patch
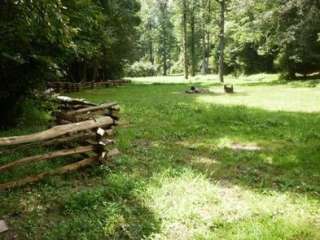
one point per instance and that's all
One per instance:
(189, 169)
(274, 98)
(193, 207)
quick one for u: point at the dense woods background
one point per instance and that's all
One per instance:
(92, 40)
(260, 36)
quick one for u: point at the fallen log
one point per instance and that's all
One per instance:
(32, 179)
(43, 157)
(57, 131)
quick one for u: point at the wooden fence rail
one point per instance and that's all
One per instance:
(75, 87)
(89, 128)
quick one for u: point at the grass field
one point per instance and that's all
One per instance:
(212, 166)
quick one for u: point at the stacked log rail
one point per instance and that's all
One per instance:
(76, 87)
(89, 128)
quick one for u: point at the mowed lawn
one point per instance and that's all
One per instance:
(209, 166)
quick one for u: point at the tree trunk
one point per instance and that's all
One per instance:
(193, 47)
(150, 43)
(165, 67)
(95, 72)
(205, 53)
(84, 72)
(151, 58)
(165, 59)
(222, 40)
(185, 40)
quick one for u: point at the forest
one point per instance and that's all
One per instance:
(177, 119)
(82, 40)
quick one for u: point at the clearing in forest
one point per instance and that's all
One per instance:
(209, 166)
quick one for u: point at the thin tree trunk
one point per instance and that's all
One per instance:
(95, 72)
(151, 58)
(222, 40)
(185, 40)
(150, 45)
(205, 62)
(165, 58)
(193, 48)
(82, 71)
(165, 67)
(206, 23)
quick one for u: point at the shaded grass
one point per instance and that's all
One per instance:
(190, 169)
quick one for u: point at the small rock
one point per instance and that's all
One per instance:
(3, 226)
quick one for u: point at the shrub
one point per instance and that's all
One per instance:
(141, 69)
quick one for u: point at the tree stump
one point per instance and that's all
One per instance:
(228, 88)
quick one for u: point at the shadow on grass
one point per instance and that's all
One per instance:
(257, 149)
(260, 170)
(92, 204)
(289, 159)
(261, 150)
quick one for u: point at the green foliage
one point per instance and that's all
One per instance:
(299, 24)
(32, 33)
(265, 35)
(157, 41)
(77, 40)
(141, 69)
(261, 36)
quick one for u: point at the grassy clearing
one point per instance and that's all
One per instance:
(193, 167)
(208, 79)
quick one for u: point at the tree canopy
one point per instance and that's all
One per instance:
(260, 36)
(93, 40)
(73, 40)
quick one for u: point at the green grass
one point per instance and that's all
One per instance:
(215, 166)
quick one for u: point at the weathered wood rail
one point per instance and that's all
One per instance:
(89, 130)
(76, 87)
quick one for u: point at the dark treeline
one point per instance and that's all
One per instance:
(260, 36)
(93, 40)
(72, 40)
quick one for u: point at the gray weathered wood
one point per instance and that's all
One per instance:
(32, 179)
(57, 131)
(43, 157)
(3, 226)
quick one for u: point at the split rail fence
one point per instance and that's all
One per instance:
(76, 87)
(84, 130)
